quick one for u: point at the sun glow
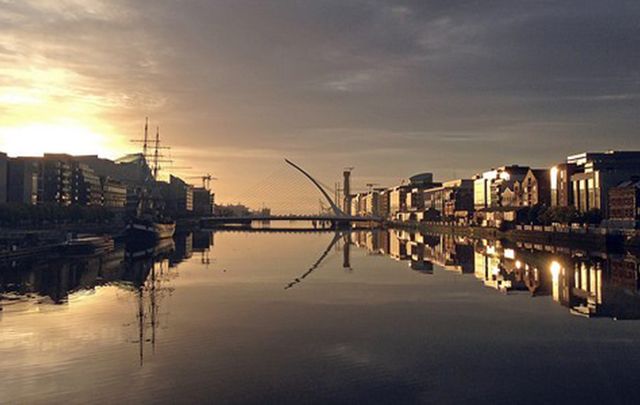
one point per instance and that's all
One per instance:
(64, 137)
(52, 109)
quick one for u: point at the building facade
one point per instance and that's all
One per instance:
(455, 196)
(489, 187)
(4, 167)
(23, 181)
(534, 189)
(624, 204)
(114, 194)
(86, 187)
(203, 201)
(56, 179)
(560, 184)
(597, 174)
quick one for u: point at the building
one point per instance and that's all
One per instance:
(114, 194)
(624, 204)
(132, 171)
(455, 196)
(203, 201)
(177, 195)
(4, 163)
(398, 199)
(23, 178)
(56, 178)
(598, 172)
(560, 183)
(86, 187)
(534, 189)
(488, 187)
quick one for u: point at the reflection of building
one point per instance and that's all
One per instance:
(184, 248)
(397, 247)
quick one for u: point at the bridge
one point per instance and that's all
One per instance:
(336, 219)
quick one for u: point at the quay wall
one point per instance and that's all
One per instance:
(595, 237)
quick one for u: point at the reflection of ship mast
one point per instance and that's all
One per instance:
(148, 316)
(298, 280)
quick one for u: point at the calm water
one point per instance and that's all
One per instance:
(386, 317)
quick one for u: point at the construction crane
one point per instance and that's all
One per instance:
(206, 180)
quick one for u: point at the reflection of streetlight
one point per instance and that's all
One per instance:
(509, 254)
(491, 250)
(555, 269)
(518, 264)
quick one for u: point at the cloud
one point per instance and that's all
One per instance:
(409, 85)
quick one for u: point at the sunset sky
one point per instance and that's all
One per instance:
(392, 88)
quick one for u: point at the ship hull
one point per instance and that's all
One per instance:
(150, 231)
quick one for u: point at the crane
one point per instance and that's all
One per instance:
(206, 180)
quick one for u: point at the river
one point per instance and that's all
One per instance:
(373, 317)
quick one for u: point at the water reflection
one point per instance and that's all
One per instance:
(142, 271)
(386, 316)
(589, 283)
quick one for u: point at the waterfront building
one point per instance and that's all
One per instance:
(560, 184)
(132, 171)
(384, 202)
(23, 177)
(372, 203)
(4, 163)
(86, 188)
(489, 186)
(534, 189)
(624, 204)
(398, 200)
(177, 195)
(56, 175)
(454, 196)
(598, 173)
(114, 194)
(203, 201)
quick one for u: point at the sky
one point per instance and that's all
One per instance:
(392, 88)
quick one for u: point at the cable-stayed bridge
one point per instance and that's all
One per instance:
(333, 217)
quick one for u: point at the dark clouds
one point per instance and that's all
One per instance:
(390, 87)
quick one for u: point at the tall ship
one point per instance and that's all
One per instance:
(149, 224)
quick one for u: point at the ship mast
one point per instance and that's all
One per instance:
(145, 141)
(156, 155)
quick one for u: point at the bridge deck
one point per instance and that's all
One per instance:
(272, 218)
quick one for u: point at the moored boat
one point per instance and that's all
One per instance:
(150, 229)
